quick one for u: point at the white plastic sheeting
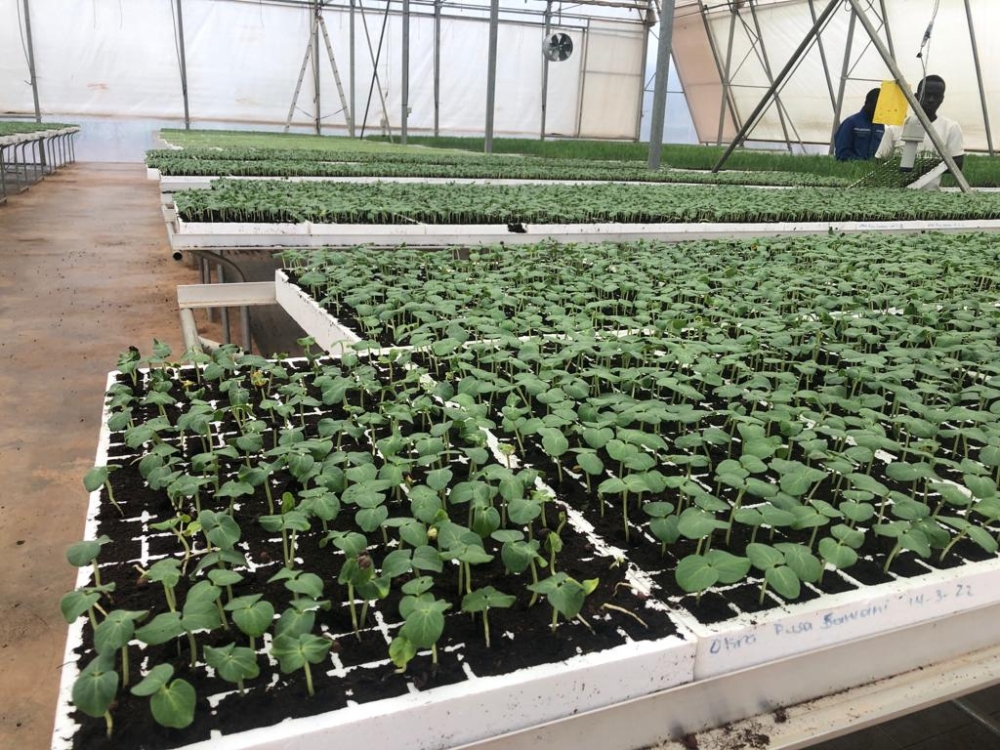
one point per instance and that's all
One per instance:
(806, 96)
(121, 58)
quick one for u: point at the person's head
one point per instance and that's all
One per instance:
(871, 101)
(930, 94)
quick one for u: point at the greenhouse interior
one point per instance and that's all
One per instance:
(363, 338)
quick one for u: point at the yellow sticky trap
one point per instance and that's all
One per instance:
(892, 105)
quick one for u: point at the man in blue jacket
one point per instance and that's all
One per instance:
(858, 137)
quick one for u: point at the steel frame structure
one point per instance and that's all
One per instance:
(728, 69)
(405, 9)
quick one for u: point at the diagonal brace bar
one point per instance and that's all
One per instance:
(779, 80)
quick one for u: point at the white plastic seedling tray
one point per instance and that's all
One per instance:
(752, 639)
(329, 333)
(438, 718)
(192, 235)
(756, 638)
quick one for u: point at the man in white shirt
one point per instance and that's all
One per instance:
(930, 94)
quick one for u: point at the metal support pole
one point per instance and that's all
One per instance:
(914, 104)
(491, 73)
(822, 57)
(646, 25)
(762, 55)
(354, 102)
(183, 63)
(780, 79)
(245, 326)
(725, 76)
(344, 106)
(984, 720)
(375, 57)
(888, 31)
(979, 76)
(317, 104)
(31, 61)
(437, 66)
(220, 274)
(583, 80)
(838, 107)
(545, 67)
(718, 65)
(660, 86)
(302, 74)
(406, 72)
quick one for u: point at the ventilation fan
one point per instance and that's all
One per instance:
(557, 47)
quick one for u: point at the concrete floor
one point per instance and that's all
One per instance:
(85, 272)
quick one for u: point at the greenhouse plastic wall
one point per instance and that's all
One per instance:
(105, 58)
(806, 96)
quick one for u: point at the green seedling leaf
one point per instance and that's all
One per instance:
(836, 554)
(252, 616)
(84, 553)
(418, 586)
(523, 511)
(590, 463)
(801, 560)
(764, 557)
(402, 651)
(730, 567)
(161, 629)
(173, 705)
(857, 512)
(982, 488)
(424, 503)
(233, 663)
(157, 678)
(116, 630)
(96, 477)
(782, 579)
(695, 523)
(77, 603)
(695, 573)
(220, 529)
(166, 571)
(566, 595)
(554, 443)
(96, 687)
(424, 617)
(221, 577)
(844, 534)
(293, 652)
(517, 555)
(486, 598)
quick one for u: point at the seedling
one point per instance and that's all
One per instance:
(95, 689)
(423, 624)
(97, 478)
(484, 599)
(564, 594)
(233, 663)
(171, 701)
(85, 553)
